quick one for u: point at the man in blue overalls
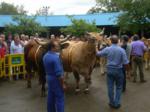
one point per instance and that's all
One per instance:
(54, 75)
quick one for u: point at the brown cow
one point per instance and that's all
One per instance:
(34, 52)
(147, 53)
(102, 60)
(80, 57)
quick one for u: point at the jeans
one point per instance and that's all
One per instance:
(55, 99)
(115, 84)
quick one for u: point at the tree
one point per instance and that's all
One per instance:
(104, 6)
(79, 27)
(10, 9)
(24, 24)
(135, 15)
(44, 11)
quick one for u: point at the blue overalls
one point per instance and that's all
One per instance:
(54, 69)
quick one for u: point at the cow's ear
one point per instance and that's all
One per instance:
(64, 45)
(86, 33)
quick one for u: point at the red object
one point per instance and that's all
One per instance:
(2, 52)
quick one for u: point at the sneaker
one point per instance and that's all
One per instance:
(117, 107)
(111, 105)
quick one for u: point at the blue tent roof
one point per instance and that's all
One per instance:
(101, 19)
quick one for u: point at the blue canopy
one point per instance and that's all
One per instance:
(101, 19)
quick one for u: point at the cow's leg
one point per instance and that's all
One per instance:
(42, 81)
(149, 63)
(28, 69)
(102, 66)
(77, 78)
(146, 64)
(88, 81)
(105, 62)
(66, 76)
(128, 73)
(43, 90)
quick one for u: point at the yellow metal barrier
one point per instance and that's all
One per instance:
(2, 67)
(14, 65)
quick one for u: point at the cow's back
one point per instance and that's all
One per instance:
(77, 57)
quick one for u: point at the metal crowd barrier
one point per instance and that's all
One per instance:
(2, 67)
(14, 65)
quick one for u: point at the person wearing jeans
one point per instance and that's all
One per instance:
(116, 58)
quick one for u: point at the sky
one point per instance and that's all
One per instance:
(57, 7)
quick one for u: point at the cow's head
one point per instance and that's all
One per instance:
(47, 43)
(93, 36)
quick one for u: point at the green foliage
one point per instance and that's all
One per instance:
(24, 24)
(136, 16)
(10, 9)
(79, 27)
(104, 6)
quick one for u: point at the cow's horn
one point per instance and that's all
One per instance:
(64, 40)
(102, 32)
(40, 43)
(87, 33)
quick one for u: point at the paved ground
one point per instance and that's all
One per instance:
(15, 97)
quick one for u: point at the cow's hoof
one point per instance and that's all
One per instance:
(147, 68)
(28, 86)
(102, 74)
(90, 82)
(43, 94)
(77, 91)
(86, 91)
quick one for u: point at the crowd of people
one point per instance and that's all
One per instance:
(13, 45)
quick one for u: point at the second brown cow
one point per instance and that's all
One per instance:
(80, 58)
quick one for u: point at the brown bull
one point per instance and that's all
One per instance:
(147, 53)
(34, 52)
(105, 42)
(80, 57)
